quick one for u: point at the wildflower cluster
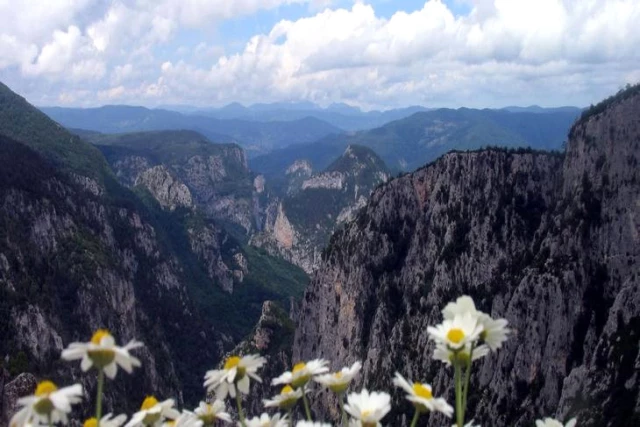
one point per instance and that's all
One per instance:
(465, 335)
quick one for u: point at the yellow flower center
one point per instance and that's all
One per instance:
(44, 406)
(299, 367)
(45, 388)
(91, 422)
(286, 389)
(234, 362)
(338, 375)
(455, 335)
(171, 423)
(422, 391)
(231, 362)
(99, 334)
(365, 414)
(209, 417)
(148, 403)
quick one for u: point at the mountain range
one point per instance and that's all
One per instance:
(255, 137)
(167, 237)
(409, 143)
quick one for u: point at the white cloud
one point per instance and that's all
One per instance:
(356, 56)
(503, 51)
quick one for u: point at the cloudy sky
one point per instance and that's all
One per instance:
(369, 53)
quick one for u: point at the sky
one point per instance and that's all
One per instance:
(373, 54)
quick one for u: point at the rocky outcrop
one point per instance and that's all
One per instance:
(258, 184)
(283, 232)
(550, 243)
(315, 206)
(165, 188)
(21, 386)
(330, 180)
(272, 338)
(302, 167)
(205, 242)
(129, 168)
(296, 174)
(216, 175)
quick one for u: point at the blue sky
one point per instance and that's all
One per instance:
(367, 53)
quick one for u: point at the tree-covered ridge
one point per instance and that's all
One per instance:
(625, 93)
(25, 123)
(409, 143)
(170, 147)
(257, 137)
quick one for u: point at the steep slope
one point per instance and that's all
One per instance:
(71, 262)
(255, 137)
(216, 175)
(78, 251)
(319, 203)
(548, 242)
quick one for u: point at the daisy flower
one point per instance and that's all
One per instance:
(494, 331)
(153, 413)
(311, 424)
(422, 397)
(368, 408)
(446, 355)
(103, 353)
(106, 421)
(456, 333)
(338, 382)
(302, 373)
(287, 398)
(235, 373)
(208, 413)
(460, 307)
(550, 422)
(47, 404)
(265, 420)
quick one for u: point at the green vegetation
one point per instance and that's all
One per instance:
(625, 93)
(25, 123)
(253, 135)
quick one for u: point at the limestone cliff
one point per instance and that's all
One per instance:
(216, 175)
(317, 204)
(549, 242)
(165, 188)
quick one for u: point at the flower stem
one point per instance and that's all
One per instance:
(239, 405)
(290, 417)
(99, 396)
(50, 420)
(414, 422)
(306, 406)
(458, 380)
(467, 379)
(343, 414)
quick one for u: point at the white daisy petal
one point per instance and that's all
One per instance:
(103, 353)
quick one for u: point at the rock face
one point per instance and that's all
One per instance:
(165, 188)
(21, 386)
(182, 168)
(317, 204)
(550, 243)
(272, 338)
